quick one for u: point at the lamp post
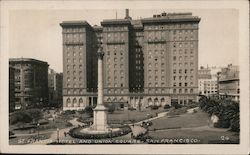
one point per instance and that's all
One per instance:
(57, 135)
(38, 130)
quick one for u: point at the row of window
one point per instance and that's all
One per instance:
(183, 84)
(74, 60)
(74, 67)
(182, 91)
(115, 59)
(115, 28)
(74, 38)
(74, 79)
(170, 26)
(115, 85)
(181, 51)
(183, 77)
(156, 71)
(115, 66)
(183, 64)
(183, 58)
(184, 71)
(74, 30)
(162, 36)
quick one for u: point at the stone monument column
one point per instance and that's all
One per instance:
(100, 112)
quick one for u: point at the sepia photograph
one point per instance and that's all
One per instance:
(103, 76)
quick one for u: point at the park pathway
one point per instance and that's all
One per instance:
(62, 136)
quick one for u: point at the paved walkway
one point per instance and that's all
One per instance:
(62, 136)
(163, 114)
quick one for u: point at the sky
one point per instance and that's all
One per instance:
(37, 33)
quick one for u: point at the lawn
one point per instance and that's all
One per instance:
(181, 121)
(128, 116)
(190, 126)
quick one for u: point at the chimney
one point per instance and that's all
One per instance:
(127, 14)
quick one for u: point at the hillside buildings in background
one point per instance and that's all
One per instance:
(55, 88)
(151, 61)
(30, 83)
(229, 82)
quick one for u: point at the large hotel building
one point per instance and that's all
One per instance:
(150, 61)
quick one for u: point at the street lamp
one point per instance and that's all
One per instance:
(38, 130)
(57, 135)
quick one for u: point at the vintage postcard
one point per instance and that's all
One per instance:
(125, 77)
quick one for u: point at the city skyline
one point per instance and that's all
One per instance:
(48, 33)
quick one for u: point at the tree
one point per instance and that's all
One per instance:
(89, 110)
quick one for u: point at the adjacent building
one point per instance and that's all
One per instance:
(11, 89)
(208, 80)
(229, 83)
(150, 61)
(55, 81)
(30, 82)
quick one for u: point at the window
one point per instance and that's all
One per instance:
(174, 71)
(174, 58)
(185, 72)
(191, 71)
(174, 77)
(180, 71)
(186, 84)
(180, 84)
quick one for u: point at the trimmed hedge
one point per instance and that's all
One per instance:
(75, 133)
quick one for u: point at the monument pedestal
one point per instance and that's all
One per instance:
(100, 118)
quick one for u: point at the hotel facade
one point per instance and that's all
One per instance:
(150, 61)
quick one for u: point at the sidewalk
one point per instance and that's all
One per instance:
(61, 135)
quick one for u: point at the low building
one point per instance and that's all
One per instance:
(55, 88)
(229, 82)
(30, 82)
(208, 84)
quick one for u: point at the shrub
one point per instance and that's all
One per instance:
(68, 124)
(176, 105)
(154, 107)
(131, 108)
(75, 133)
(21, 116)
(166, 106)
(235, 124)
(11, 133)
(89, 110)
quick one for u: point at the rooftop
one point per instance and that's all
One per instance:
(74, 23)
(19, 60)
(116, 21)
